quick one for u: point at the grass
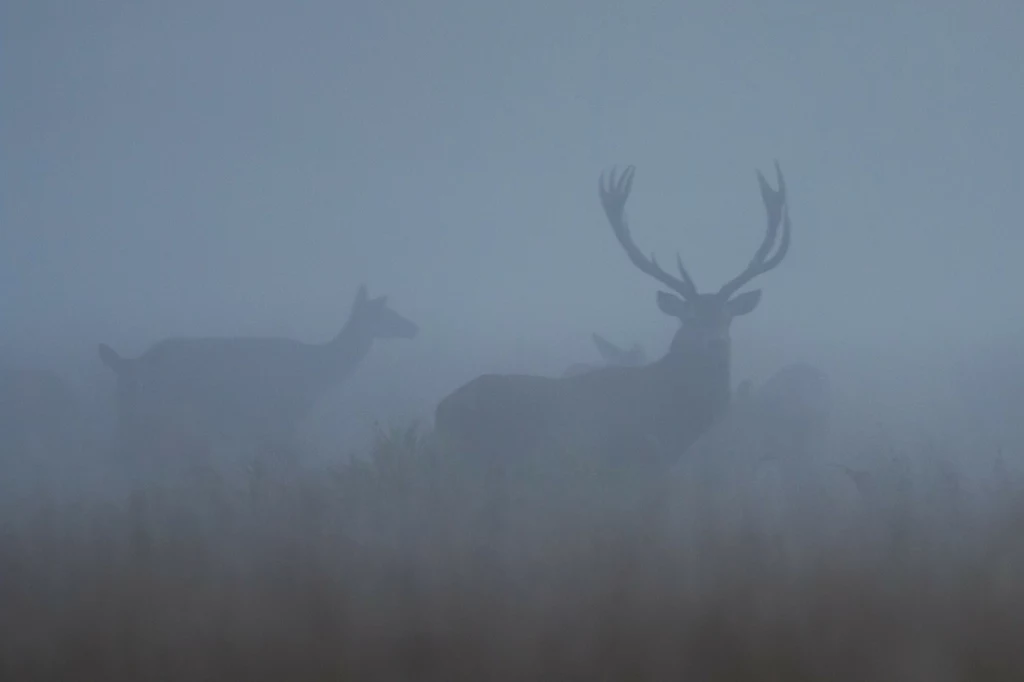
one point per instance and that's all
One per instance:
(398, 568)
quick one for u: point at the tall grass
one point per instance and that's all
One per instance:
(399, 567)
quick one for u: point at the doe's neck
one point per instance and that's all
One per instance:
(346, 350)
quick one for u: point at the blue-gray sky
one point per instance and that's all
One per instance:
(240, 167)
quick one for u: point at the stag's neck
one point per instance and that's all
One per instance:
(344, 352)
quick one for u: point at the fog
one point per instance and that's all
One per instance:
(212, 169)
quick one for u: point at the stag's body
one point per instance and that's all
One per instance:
(612, 355)
(654, 411)
(615, 412)
(249, 388)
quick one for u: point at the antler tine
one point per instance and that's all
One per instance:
(683, 273)
(614, 192)
(777, 209)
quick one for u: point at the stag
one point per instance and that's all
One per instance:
(247, 387)
(658, 409)
(612, 355)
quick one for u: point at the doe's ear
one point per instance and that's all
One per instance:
(744, 303)
(609, 351)
(361, 296)
(670, 304)
(744, 389)
(110, 358)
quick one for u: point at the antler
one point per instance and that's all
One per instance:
(614, 193)
(778, 212)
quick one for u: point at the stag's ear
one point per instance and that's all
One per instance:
(670, 304)
(744, 303)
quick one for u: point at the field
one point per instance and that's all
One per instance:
(399, 567)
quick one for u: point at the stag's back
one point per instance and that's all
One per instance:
(609, 414)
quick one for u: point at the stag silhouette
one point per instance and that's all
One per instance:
(658, 409)
(612, 355)
(248, 387)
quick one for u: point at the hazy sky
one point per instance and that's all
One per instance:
(210, 167)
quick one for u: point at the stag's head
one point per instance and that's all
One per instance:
(705, 318)
(376, 320)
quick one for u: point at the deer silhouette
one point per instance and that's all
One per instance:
(245, 387)
(612, 355)
(658, 409)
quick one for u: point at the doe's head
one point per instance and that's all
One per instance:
(378, 320)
